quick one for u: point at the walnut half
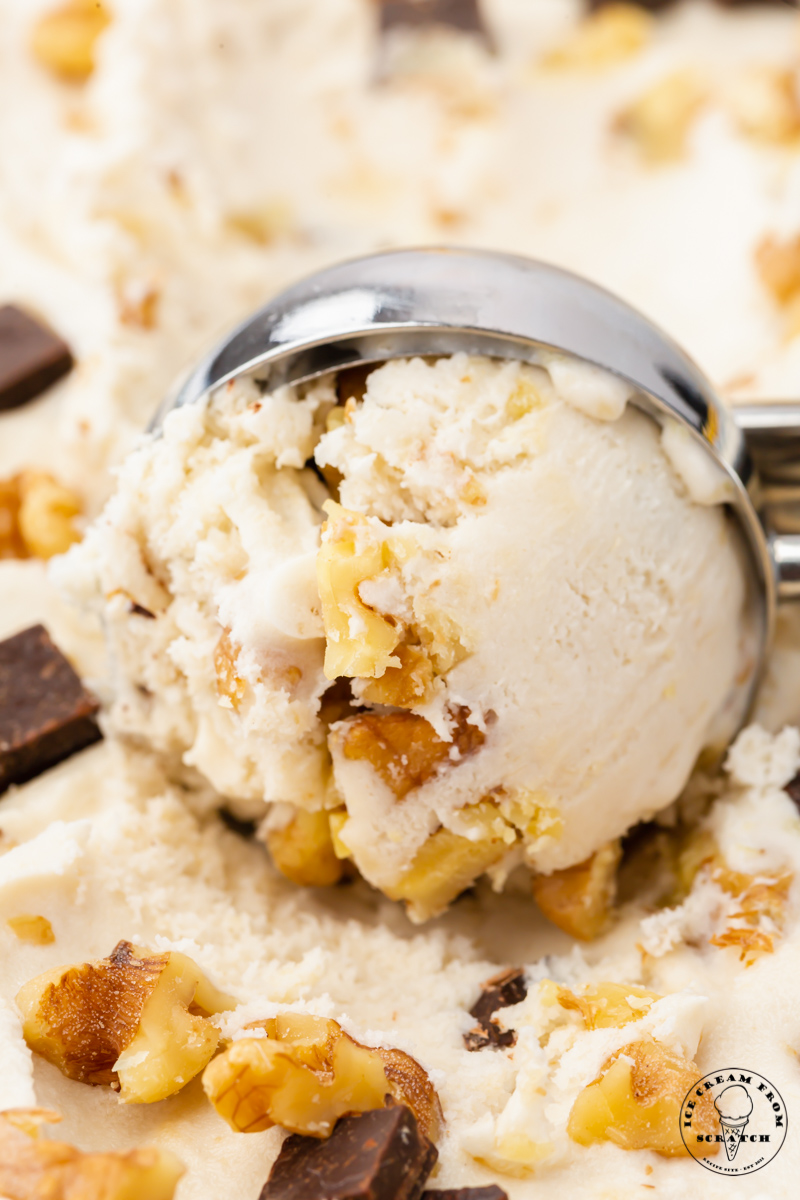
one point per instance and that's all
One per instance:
(34, 1168)
(136, 1020)
(306, 1073)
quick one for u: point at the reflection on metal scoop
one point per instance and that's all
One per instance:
(439, 302)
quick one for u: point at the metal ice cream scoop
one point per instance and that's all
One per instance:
(441, 301)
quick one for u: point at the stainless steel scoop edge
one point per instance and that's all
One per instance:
(440, 301)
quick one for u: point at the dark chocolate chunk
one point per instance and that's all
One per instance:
(491, 1192)
(509, 987)
(31, 357)
(240, 825)
(793, 789)
(376, 1155)
(652, 5)
(458, 14)
(46, 714)
(138, 610)
(657, 5)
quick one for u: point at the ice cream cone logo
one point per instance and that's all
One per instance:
(740, 1110)
(734, 1107)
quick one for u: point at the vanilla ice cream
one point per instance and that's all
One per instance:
(541, 628)
(219, 151)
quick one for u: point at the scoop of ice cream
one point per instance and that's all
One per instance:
(500, 632)
(734, 1103)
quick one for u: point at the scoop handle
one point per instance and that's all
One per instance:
(785, 549)
(772, 434)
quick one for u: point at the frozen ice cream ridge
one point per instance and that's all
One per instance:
(440, 619)
(734, 1106)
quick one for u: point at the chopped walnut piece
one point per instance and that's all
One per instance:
(64, 38)
(36, 516)
(765, 104)
(34, 1168)
(337, 820)
(306, 1073)
(335, 418)
(761, 912)
(694, 851)
(231, 688)
(603, 38)
(658, 123)
(448, 862)
(442, 639)
(136, 1019)
(46, 514)
(405, 749)
(264, 225)
(302, 849)
(608, 1005)
(530, 811)
(36, 930)
(359, 641)
(12, 544)
(137, 303)
(473, 492)
(580, 899)
(636, 1102)
(405, 686)
(761, 900)
(778, 265)
(524, 399)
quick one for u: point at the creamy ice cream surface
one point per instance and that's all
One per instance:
(283, 586)
(541, 628)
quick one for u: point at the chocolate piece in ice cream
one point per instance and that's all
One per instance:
(792, 789)
(491, 1192)
(509, 987)
(656, 5)
(457, 14)
(376, 1155)
(31, 357)
(46, 714)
